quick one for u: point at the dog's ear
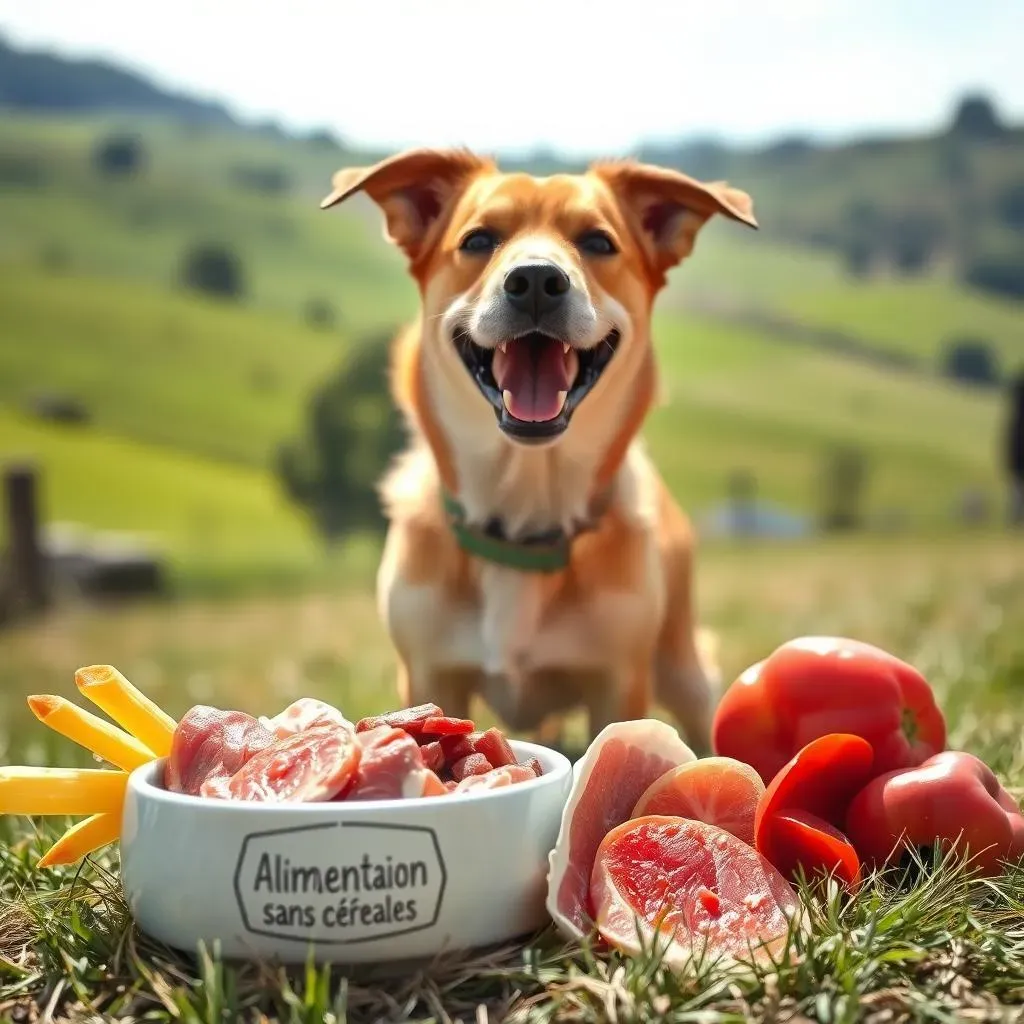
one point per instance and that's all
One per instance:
(667, 208)
(414, 189)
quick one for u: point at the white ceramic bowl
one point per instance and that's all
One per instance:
(360, 882)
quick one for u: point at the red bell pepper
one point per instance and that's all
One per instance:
(814, 686)
(796, 824)
(801, 841)
(953, 799)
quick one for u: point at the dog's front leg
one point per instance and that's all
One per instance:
(627, 698)
(450, 689)
(432, 639)
(522, 707)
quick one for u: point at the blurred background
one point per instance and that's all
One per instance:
(193, 413)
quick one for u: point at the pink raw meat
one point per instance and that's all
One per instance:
(304, 714)
(618, 766)
(391, 766)
(306, 767)
(496, 778)
(210, 744)
(217, 788)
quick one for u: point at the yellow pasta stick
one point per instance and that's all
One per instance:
(112, 693)
(90, 731)
(81, 839)
(71, 791)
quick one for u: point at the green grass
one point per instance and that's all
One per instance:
(189, 398)
(196, 375)
(213, 388)
(139, 228)
(918, 317)
(220, 525)
(224, 383)
(731, 400)
(941, 947)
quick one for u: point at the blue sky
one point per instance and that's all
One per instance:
(582, 76)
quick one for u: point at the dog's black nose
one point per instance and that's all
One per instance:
(536, 288)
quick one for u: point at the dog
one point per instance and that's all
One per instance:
(534, 557)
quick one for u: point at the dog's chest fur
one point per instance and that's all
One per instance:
(503, 622)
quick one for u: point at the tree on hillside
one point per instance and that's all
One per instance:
(324, 137)
(971, 361)
(213, 269)
(859, 232)
(351, 433)
(914, 238)
(997, 271)
(857, 257)
(843, 488)
(975, 117)
(1010, 206)
(319, 313)
(268, 179)
(119, 155)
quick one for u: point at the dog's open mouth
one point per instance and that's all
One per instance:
(535, 382)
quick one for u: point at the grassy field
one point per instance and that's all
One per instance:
(196, 376)
(188, 399)
(90, 306)
(213, 520)
(188, 191)
(913, 316)
(192, 396)
(949, 948)
(139, 227)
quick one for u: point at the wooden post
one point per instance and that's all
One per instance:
(27, 583)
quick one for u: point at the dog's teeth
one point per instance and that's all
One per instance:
(503, 346)
(565, 348)
(562, 396)
(506, 397)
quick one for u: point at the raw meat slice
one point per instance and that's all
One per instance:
(304, 714)
(496, 778)
(457, 747)
(493, 745)
(310, 766)
(685, 889)
(432, 785)
(474, 764)
(442, 725)
(433, 756)
(716, 790)
(409, 719)
(391, 766)
(208, 744)
(623, 759)
(218, 787)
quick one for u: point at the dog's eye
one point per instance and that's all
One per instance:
(480, 241)
(597, 243)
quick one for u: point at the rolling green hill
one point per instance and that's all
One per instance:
(58, 210)
(188, 396)
(198, 184)
(746, 276)
(168, 369)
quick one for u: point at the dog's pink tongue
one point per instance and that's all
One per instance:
(532, 379)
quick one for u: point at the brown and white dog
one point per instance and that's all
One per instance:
(534, 557)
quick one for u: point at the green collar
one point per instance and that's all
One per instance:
(547, 552)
